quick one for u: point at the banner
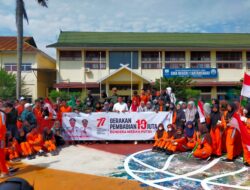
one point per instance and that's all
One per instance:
(113, 126)
(203, 73)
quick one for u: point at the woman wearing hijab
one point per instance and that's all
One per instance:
(134, 106)
(191, 112)
(159, 137)
(190, 135)
(168, 138)
(233, 140)
(178, 143)
(180, 116)
(204, 149)
(215, 130)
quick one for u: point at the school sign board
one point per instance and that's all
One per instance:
(113, 126)
(202, 73)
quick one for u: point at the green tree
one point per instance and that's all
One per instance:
(8, 85)
(20, 15)
(181, 86)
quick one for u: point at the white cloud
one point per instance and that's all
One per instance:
(127, 15)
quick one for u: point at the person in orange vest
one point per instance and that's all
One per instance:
(144, 96)
(204, 149)
(159, 137)
(190, 135)
(14, 150)
(26, 149)
(246, 119)
(35, 140)
(178, 143)
(215, 130)
(64, 107)
(49, 141)
(233, 138)
(3, 164)
(169, 135)
(136, 98)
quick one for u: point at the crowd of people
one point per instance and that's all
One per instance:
(206, 138)
(29, 130)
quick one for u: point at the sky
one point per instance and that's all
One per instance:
(230, 16)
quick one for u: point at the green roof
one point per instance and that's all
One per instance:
(148, 39)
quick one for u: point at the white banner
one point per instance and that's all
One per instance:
(113, 126)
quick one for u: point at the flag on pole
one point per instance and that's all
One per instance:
(201, 112)
(245, 91)
(48, 104)
(241, 127)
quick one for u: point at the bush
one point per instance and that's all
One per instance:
(64, 95)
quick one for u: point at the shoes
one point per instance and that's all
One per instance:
(16, 160)
(54, 153)
(154, 149)
(227, 160)
(168, 152)
(247, 164)
(13, 170)
(31, 157)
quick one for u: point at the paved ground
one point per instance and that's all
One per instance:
(90, 167)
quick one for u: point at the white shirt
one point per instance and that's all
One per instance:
(120, 107)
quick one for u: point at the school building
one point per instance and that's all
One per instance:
(38, 69)
(125, 60)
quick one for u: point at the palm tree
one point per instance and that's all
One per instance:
(20, 15)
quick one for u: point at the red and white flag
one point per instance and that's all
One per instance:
(48, 104)
(245, 91)
(201, 112)
(241, 127)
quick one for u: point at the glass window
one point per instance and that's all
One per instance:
(70, 55)
(150, 56)
(13, 67)
(229, 65)
(116, 58)
(200, 56)
(228, 56)
(174, 65)
(123, 86)
(151, 60)
(248, 56)
(95, 59)
(175, 56)
(200, 65)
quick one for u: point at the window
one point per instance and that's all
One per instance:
(229, 65)
(13, 67)
(200, 65)
(171, 65)
(26, 67)
(228, 56)
(248, 60)
(70, 56)
(123, 57)
(175, 56)
(151, 60)
(123, 86)
(200, 56)
(95, 59)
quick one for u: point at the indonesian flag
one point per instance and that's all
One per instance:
(245, 91)
(201, 112)
(241, 127)
(48, 104)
